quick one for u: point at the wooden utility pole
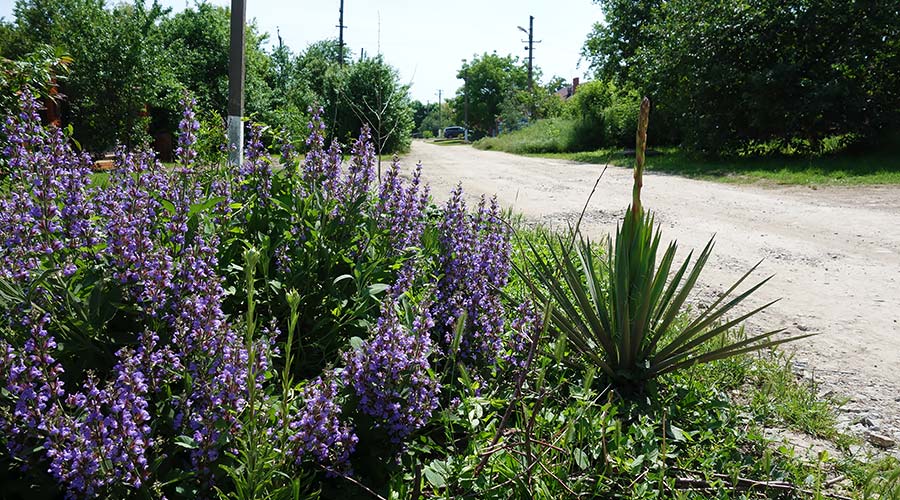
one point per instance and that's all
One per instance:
(236, 85)
(530, 49)
(530, 53)
(466, 92)
(341, 35)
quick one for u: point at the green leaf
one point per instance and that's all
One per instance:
(437, 473)
(581, 458)
(678, 434)
(377, 288)
(341, 278)
(205, 205)
(168, 205)
(356, 343)
(186, 442)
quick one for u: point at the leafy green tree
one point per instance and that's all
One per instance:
(371, 94)
(420, 111)
(756, 76)
(197, 41)
(38, 72)
(489, 80)
(436, 119)
(612, 43)
(116, 60)
(319, 73)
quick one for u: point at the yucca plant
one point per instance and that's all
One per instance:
(619, 312)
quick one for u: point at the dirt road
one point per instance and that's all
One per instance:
(835, 254)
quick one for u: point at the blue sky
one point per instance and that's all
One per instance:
(427, 40)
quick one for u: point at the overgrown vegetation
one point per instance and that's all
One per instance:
(128, 65)
(313, 331)
(730, 77)
(730, 82)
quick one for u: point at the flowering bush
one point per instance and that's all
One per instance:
(125, 366)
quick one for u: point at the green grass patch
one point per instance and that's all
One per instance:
(845, 168)
(449, 142)
(553, 135)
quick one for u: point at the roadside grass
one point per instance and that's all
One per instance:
(882, 167)
(448, 142)
(550, 136)
(699, 433)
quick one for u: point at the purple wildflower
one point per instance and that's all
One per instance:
(187, 134)
(318, 432)
(474, 265)
(389, 373)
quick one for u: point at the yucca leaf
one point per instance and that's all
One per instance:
(675, 307)
(588, 311)
(658, 302)
(695, 338)
(712, 316)
(738, 348)
(728, 292)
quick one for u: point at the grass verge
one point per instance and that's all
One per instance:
(702, 432)
(839, 169)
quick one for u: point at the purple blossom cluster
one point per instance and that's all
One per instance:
(361, 170)
(132, 230)
(43, 224)
(92, 438)
(187, 134)
(317, 429)
(255, 174)
(401, 208)
(390, 373)
(184, 371)
(185, 356)
(474, 266)
(321, 167)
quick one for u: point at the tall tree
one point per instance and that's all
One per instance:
(758, 74)
(489, 80)
(197, 41)
(371, 94)
(116, 58)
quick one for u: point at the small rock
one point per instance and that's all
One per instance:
(880, 440)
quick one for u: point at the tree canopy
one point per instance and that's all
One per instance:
(132, 63)
(730, 75)
(489, 80)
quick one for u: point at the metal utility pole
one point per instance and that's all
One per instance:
(440, 116)
(341, 36)
(236, 84)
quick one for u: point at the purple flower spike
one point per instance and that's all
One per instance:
(390, 376)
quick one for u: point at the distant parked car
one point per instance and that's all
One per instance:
(451, 132)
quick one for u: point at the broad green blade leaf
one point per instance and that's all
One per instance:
(698, 339)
